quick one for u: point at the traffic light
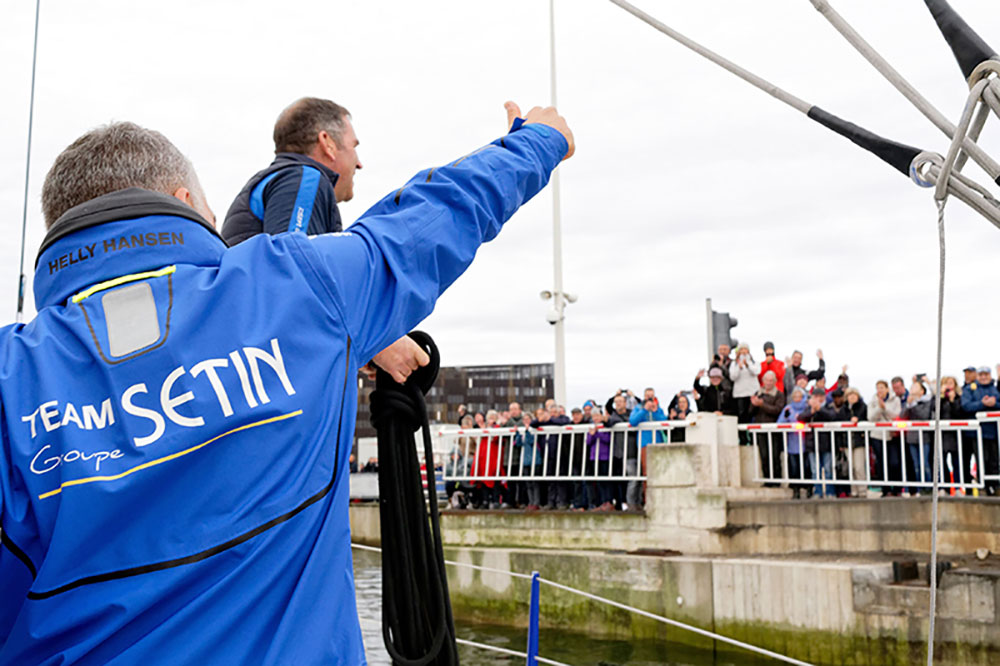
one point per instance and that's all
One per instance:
(722, 323)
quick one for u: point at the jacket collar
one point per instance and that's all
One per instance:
(128, 231)
(308, 161)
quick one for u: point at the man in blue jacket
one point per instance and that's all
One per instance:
(176, 420)
(983, 396)
(315, 160)
(649, 410)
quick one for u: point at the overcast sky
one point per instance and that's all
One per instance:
(687, 182)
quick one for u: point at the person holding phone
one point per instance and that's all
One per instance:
(743, 372)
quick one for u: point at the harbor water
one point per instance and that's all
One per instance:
(564, 646)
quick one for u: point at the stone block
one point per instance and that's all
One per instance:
(673, 465)
(968, 597)
(730, 465)
(749, 461)
(705, 429)
(709, 512)
(366, 524)
(727, 430)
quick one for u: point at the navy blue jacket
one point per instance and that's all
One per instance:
(972, 402)
(294, 193)
(826, 414)
(176, 420)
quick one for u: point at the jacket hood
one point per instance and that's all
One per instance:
(120, 233)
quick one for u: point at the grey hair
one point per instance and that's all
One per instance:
(111, 158)
(771, 372)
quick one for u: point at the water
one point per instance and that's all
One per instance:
(564, 646)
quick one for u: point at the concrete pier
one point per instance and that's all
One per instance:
(816, 610)
(809, 578)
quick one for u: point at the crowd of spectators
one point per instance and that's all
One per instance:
(534, 455)
(765, 391)
(773, 391)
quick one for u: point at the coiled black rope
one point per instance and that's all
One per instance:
(417, 624)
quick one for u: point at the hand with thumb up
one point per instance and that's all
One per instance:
(543, 116)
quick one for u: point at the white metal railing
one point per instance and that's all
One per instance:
(992, 418)
(549, 453)
(870, 453)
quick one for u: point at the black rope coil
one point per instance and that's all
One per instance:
(417, 624)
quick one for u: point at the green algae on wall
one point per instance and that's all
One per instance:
(677, 588)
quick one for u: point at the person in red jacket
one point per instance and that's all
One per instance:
(771, 362)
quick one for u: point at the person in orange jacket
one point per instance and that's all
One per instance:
(771, 362)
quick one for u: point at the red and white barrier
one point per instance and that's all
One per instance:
(888, 449)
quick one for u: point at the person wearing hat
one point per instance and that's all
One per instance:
(714, 397)
(843, 382)
(771, 363)
(970, 378)
(984, 398)
(802, 382)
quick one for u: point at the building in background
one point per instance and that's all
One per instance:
(478, 387)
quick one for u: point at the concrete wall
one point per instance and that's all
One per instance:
(700, 499)
(862, 526)
(821, 612)
(366, 526)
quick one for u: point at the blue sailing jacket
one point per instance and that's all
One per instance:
(176, 420)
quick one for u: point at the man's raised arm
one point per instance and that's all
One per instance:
(387, 271)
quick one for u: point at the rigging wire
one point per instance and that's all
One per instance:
(937, 471)
(951, 163)
(969, 49)
(896, 155)
(905, 87)
(905, 159)
(19, 317)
